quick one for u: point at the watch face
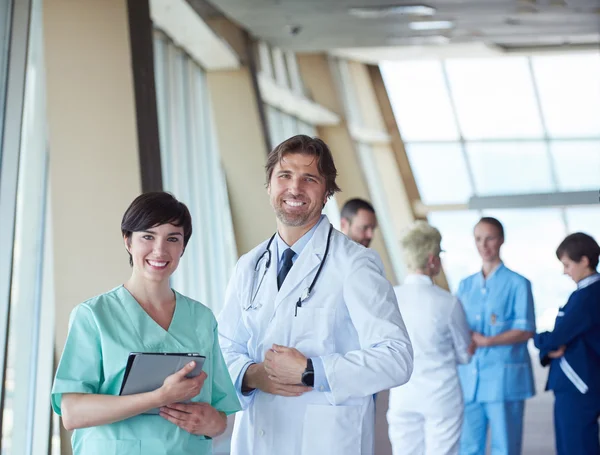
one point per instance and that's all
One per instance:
(308, 378)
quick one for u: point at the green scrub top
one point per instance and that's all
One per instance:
(102, 333)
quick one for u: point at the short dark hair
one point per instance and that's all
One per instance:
(307, 145)
(578, 245)
(494, 222)
(351, 208)
(153, 209)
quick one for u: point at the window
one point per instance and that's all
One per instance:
(5, 17)
(525, 125)
(569, 94)
(494, 169)
(577, 164)
(494, 98)
(440, 172)
(584, 219)
(30, 340)
(192, 172)
(420, 101)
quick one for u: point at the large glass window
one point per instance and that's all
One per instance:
(29, 354)
(494, 169)
(192, 171)
(584, 219)
(486, 93)
(577, 164)
(524, 125)
(569, 94)
(440, 171)
(420, 101)
(5, 15)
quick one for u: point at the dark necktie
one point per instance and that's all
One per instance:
(285, 268)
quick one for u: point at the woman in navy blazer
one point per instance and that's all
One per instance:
(572, 350)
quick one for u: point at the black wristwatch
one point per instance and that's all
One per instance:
(308, 377)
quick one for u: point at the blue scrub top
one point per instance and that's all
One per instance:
(494, 305)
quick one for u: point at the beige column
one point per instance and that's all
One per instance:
(94, 166)
(243, 152)
(397, 144)
(321, 86)
(242, 145)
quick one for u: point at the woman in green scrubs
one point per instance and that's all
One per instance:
(144, 315)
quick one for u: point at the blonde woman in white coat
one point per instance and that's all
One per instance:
(425, 415)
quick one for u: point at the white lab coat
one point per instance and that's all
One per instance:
(425, 415)
(351, 321)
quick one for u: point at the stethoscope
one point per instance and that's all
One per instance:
(307, 292)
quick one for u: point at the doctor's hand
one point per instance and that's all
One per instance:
(285, 365)
(480, 341)
(196, 418)
(256, 377)
(558, 353)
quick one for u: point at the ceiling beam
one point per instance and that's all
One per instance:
(523, 201)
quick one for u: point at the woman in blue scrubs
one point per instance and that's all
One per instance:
(499, 307)
(572, 350)
(144, 315)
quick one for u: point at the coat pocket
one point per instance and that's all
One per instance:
(332, 430)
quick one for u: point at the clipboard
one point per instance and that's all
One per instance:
(147, 371)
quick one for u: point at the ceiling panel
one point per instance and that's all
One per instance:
(318, 25)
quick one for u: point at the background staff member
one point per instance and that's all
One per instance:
(358, 221)
(343, 341)
(499, 307)
(425, 416)
(573, 351)
(144, 315)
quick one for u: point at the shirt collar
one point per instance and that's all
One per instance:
(416, 278)
(588, 280)
(484, 279)
(300, 243)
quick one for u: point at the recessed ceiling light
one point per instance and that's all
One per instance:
(419, 40)
(431, 25)
(385, 11)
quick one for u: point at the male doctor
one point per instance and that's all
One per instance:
(311, 328)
